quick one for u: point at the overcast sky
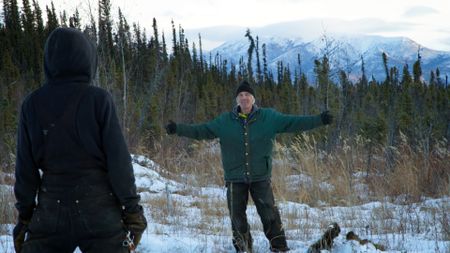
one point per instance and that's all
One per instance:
(425, 21)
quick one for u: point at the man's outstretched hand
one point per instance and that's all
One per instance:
(171, 128)
(326, 117)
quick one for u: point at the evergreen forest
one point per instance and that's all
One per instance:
(155, 77)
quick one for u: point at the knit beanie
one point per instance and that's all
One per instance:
(245, 86)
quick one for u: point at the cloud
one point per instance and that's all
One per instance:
(419, 10)
(288, 1)
(445, 41)
(173, 14)
(373, 25)
(316, 26)
(218, 32)
(307, 29)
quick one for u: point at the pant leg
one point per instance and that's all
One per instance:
(50, 229)
(262, 195)
(237, 199)
(98, 225)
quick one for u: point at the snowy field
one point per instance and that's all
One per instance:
(183, 218)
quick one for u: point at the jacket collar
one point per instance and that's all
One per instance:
(251, 115)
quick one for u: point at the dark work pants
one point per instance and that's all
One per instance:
(60, 225)
(262, 195)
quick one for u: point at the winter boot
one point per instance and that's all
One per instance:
(283, 249)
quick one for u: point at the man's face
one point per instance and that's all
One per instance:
(245, 100)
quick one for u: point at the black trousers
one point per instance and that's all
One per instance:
(60, 225)
(262, 195)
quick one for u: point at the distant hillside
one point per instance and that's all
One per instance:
(346, 54)
(284, 41)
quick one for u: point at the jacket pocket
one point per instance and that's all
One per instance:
(45, 218)
(101, 214)
(263, 167)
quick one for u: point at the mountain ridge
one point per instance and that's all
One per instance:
(345, 54)
(284, 41)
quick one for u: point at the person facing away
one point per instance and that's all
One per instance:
(72, 158)
(246, 138)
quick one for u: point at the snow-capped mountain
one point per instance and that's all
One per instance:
(344, 52)
(346, 42)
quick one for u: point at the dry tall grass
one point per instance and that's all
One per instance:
(8, 214)
(347, 176)
(7, 200)
(302, 172)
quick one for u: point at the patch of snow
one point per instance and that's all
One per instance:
(195, 219)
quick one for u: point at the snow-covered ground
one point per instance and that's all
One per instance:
(184, 218)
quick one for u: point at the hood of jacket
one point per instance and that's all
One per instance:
(69, 56)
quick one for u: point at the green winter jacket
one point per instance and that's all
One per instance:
(247, 146)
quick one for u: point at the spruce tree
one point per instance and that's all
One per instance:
(39, 22)
(14, 31)
(250, 50)
(63, 18)
(258, 63)
(362, 84)
(406, 77)
(322, 71)
(202, 64)
(27, 19)
(75, 20)
(265, 74)
(52, 20)
(105, 28)
(417, 69)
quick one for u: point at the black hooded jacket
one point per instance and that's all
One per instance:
(91, 144)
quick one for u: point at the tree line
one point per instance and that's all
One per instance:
(153, 79)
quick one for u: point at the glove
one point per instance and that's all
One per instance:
(136, 223)
(326, 117)
(19, 232)
(171, 128)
